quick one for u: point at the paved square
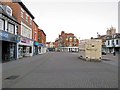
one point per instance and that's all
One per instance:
(59, 70)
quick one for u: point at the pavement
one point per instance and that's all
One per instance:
(59, 70)
(111, 59)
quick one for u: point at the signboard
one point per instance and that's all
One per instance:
(24, 40)
(5, 36)
(36, 43)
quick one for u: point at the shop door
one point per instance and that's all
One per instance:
(20, 52)
(12, 51)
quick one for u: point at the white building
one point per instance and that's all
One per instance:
(113, 43)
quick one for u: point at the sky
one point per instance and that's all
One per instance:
(83, 18)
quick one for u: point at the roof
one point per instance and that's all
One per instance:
(43, 32)
(35, 23)
(24, 7)
(114, 36)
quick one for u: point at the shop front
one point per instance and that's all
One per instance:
(36, 44)
(24, 47)
(9, 46)
(41, 48)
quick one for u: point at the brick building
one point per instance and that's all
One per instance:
(42, 41)
(25, 18)
(8, 34)
(67, 42)
(35, 37)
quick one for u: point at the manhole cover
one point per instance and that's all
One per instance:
(11, 77)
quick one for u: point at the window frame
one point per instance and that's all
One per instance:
(27, 17)
(22, 13)
(8, 27)
(3, 24)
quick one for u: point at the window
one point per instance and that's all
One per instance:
(116, 42)
(2, 24)
(11, 28)
(70, 38)
(17, 30)
(30, 21)
(26, 17)
(22, 11)
(75, 39)
(113, 42)
(22, 14)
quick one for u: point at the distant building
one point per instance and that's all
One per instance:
(35, 37)
(111, 31)
(107, 38)
(113, 43)
(50, 46)
(67, 42)
(42, 41)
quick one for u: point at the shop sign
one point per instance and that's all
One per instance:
(7, 36)
(24, 40)
(18, 39)
(36, 43)
(4, 35)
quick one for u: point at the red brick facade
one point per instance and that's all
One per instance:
(35, 31)
(41, 36)
(67, 40)
(17, 9)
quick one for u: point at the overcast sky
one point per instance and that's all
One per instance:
(82, 18)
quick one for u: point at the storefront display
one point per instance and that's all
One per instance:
(9, 46)
(25, 47)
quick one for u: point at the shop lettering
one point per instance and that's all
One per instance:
(25, 40)
(3, 35)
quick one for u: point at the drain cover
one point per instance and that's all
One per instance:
(11, 77)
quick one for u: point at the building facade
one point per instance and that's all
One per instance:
(24, 39)
(8, 34)
(67, 42)
(42, 41)
(35, 37)
(113, 43)
(109, 34)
